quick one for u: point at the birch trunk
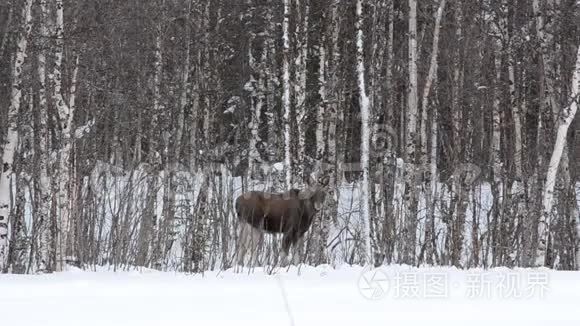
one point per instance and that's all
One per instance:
(321, 123)
(320, 126)
(19, 239)
(496, 162)
(544, 23)
(65, 114)
(458, 192)
(431, 239)
(430, 194)
(206, 78)
(255, 112)
(456, 109)
(9, 149)
(286, 94)
(429, 81)
(545, 31)
(388, 184)
(300, 83)
(43, 218)
(517, 190)
(517, 117)
(365, 134)
(272, 82)
(149, 237)
(564, 121)
(329, 68)
(410, 217)
(173, 154)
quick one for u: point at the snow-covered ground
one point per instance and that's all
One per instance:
(390, 295)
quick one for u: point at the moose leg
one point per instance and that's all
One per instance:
(240, 245)
(288, 240)
(245, 230)
(298, 249)
(254, 239)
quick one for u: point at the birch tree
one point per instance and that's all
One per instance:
(365, 134)
(12, 132)
(565, 119)
(388, 184)
(300, 82)
(430, 194)
(410, 203)
(66, 116)
(286, 94)
(43, 218)
(173, 149)
(158, 106)
(433, 64)
(328, 69)
(321, 225)
(272, 80)
(546, 28)
(256, 109)
(147, 231)
(495, 154)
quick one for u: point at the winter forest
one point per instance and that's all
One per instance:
(442, 131)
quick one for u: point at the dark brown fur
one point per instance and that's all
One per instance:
(290, 213)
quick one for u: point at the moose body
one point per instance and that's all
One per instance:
(290, 213)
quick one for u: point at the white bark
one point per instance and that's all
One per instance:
(6, 170)
(433, 181)
(255, 107)
(389, 79)
(388, 181)
(331, 116)
(323, 117)
(504, 33)
(66, 117)
(322, 107)
(153, 156)
(173, 152)
(517, 118)
(43, 215)
(456, 86)
(158, 72)
(566, 117)
(431, 75)
(365, 134)
(286, 94)
(497, 167)
(195, 97)
(496, 115)
(430, 194)
(207, 121)
(550, 50)
(412, 94)
(73, 91)
(272, 81)
(409, 210)
(300, 82)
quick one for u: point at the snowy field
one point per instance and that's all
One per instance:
(390, 295)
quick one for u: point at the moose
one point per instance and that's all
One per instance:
(289, 213)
